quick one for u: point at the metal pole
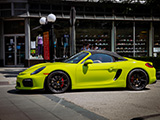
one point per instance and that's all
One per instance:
(113, 40)
(134, 39)
(27, 41)
(151, 39)
(73, 42)
(52, 58)
(72, 31)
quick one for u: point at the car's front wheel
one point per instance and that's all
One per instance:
(137, 79)
(58, 82)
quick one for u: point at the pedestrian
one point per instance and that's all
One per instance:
(92, 48)
(87, 47)
(83, 48)
(95, 48)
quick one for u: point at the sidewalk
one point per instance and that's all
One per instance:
(35, 105)
(8, 75)
(39, 106)
(29, 105)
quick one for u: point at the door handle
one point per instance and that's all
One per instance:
(111, 69)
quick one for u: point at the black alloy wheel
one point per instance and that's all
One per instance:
(58, 82)
(137, 79)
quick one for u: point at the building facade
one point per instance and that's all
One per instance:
(130, 29)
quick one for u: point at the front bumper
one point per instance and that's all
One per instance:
(30, 82)
(154, 82)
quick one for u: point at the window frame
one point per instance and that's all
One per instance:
(101, 62)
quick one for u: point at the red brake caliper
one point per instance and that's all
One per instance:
(62, 82)
(132, 78)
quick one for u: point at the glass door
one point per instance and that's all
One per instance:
(9, 50)
(20, 50)
(14, 50)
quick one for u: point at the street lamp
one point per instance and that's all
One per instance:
(42, 21)
(51, 18)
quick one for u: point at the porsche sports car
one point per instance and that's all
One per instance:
(86, 70)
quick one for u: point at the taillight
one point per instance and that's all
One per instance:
(149, 65)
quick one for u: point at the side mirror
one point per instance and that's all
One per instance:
(89, 61)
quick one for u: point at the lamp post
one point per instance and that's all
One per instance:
(51, 18)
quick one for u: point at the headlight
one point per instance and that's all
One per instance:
(37, 71)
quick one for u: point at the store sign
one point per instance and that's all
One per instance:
(156, 49)
(46, 46)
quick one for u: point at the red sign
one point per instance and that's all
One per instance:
(46, 45)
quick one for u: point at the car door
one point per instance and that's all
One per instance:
(100, 73)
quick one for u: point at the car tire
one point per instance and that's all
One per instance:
(137, 79)
(58, 82)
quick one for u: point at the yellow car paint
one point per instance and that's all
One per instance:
(92, 75)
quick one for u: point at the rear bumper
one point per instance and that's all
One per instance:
(152, 75)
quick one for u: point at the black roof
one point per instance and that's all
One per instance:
(114, 54)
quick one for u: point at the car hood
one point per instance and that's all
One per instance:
(37, 66)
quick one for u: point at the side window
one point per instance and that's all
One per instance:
(101, 58)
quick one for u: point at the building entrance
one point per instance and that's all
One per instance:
(14, 50)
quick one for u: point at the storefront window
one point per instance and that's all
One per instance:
(126, 45)
(124, 38)
(156, 45)
(93, 34)
(141, 39)
(36, 31)
(61, 38)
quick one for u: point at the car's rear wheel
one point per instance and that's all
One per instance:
(137, 79)
(58, 82)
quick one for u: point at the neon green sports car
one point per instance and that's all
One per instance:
(88, 69)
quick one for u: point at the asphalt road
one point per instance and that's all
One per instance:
(119, 104)
(97, 104)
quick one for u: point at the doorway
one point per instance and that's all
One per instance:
(14, 50)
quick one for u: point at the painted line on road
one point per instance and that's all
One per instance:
(135, 92)
(78, 109)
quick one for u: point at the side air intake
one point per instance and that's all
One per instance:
(119, 71)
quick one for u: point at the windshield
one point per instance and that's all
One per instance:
(76, 58)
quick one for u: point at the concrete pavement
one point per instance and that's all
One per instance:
(36, 105)
(113, 104)
(8, 75)
(119, 104)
